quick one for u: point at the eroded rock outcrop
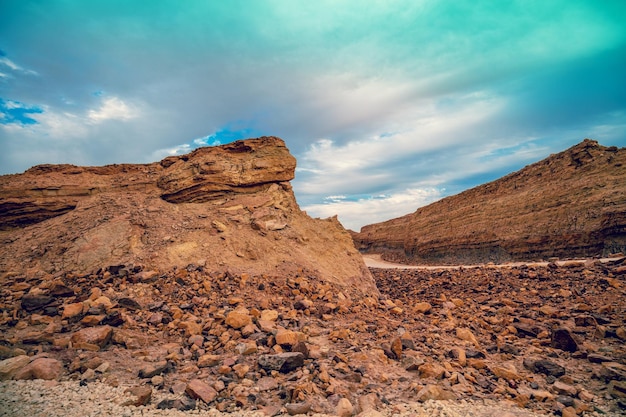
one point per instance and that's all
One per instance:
(571, 204)
(225, 208)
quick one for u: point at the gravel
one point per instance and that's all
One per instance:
(69, 399)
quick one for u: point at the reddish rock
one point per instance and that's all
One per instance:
(98, 336)
(564, 340)
(198, 389)
(41, 368)
(9, 367)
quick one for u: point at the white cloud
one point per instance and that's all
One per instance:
(14, 67)
(355, 214)
(112, 108)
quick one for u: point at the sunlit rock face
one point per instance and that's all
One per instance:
(571, 204)
(226, 208)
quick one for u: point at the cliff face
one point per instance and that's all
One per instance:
(572, 204)
(226, 208)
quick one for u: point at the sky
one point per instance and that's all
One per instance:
(387, 105)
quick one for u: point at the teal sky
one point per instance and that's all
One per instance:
(387, 105)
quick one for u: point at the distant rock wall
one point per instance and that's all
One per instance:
(572, 204)
(228, 207)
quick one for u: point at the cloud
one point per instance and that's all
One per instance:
(373, 209)
(112, 108)
(373, 101)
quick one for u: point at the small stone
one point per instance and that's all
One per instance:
(431, 370)
(157, 381)
(564, 389)
(142, 395)
(433, 392)
(467, 335)
(41, 368)
(298, 408)
(9, 367)
(344, 408)
(545, 366)
(152, 369)
(267, 383)
(282, 362)
(238, 318)
(129, 304)
(241, 370)
(396, 347)
(269, 315)
(73, 310)
(569, 412)
(286, 338)
(181, 404)
(459, 355)
(563, 339)
(617, 389)
(98, 336)
(208, 360)
(198, 389)
(422, 307)
(620, 332)
(32, 302)
(506, 371)
(597, 358)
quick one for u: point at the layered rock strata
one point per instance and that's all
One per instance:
(225, 208)
(571, 204)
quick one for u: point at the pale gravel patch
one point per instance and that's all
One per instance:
(69, 399)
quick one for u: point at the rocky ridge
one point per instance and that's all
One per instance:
(571, 204)
(543, 339)
(228, 208)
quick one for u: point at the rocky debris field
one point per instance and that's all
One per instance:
(541, 340)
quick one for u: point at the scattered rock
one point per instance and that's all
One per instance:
(435, 393)
(41, 368)
(198, 389)
(563, 339)
(282, 362)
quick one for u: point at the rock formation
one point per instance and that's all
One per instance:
(572, 204)
(226, 208)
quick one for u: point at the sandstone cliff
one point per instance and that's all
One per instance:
(572, 204)
(226, 208)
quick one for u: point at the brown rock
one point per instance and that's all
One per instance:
(563, 339)
(238, 318)
(564, 389)
(617, 389)
(431, 370)
(506, 371)
(344, 408)
(283, 362)
(422, 307)
(434, 392)
(152, 369)
(467, 335)
(298, 408)
(41, 368)
(198, 389)
(142, 395)
(73, 310)
(208, 360)
(396, 347)
(98, 336)
(9, 367)
(287, 338)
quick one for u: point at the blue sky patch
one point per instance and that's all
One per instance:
(16, 112)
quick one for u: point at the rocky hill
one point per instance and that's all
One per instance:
(227, 208)
(571, 204)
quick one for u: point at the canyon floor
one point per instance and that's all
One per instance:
(517, 340)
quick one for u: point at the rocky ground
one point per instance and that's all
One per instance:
(541, 339)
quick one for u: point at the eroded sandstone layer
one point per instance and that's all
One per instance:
(226, 208)
(571, 204)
